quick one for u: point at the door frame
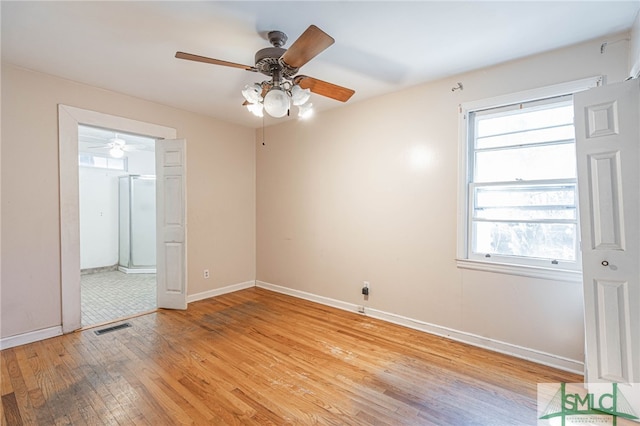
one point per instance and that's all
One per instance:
(69, 118)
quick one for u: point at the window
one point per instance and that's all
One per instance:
(520, 188)
(102, 162)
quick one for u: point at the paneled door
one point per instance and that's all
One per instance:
(171, 223)
(608, 151)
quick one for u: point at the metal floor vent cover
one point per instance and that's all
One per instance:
(112, 328)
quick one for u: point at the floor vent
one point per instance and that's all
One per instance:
(112, 328)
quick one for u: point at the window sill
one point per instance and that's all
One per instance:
(523, 271)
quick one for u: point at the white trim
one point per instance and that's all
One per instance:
(521, 270)
(517, 351)
(220, 291)
(68, 120)
(309, 296)
(534, 94)
(137, 270)
(30, 337)
(521, 352)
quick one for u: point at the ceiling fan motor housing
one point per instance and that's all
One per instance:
(268, 60)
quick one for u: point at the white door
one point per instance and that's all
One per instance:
(171, 272)
(608, 151)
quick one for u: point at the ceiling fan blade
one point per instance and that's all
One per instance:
(198, 58)
(324, 88)
(307, 46)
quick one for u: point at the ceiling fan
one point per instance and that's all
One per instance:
(116, 146)
(282, 65)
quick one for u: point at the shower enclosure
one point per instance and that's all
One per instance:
(137, 223)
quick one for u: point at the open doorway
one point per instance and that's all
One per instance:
(117, 212)
(171, 212)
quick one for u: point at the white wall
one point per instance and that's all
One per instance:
(99, 209)
(369, 192)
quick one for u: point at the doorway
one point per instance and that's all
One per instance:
(117, 203)
(69, 119)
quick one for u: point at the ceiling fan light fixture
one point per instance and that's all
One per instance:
(256, 109)
(252, 93)
(299, 95)
(276, 102)
(117, 142)
(305, 111)
(116, 152)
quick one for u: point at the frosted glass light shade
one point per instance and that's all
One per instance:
(299, 95)
(116, 152)
(305, 111)
(256, 109)
(252, 93)
(276, 102)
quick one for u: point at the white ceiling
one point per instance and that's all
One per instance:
(380, 47)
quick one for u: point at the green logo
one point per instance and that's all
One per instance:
(574, 405)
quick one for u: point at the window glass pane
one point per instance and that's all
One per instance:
(116, 163)
(551, 134)
(518, 120)
(536, 240)
(526, 163)
(103, 162)
(85, 160)
(523, 183)
(544, 202)
(100, 162)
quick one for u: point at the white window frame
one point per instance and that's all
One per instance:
(464, 260)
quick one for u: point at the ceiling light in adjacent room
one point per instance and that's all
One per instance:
(116, 152)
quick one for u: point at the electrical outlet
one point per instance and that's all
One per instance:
(366, 284)
(206, 273)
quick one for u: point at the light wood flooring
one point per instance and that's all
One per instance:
(262, 358)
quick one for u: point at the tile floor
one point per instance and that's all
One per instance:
(109, 296)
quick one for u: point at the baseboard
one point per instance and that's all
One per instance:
(98, 269)
(308, 296)
(220, 291)
(528, 354)
(137, 270)
(30, 337)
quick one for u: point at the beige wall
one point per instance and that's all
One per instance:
(369, 192)
(220, 193)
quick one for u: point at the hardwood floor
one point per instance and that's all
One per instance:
(258, 357)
